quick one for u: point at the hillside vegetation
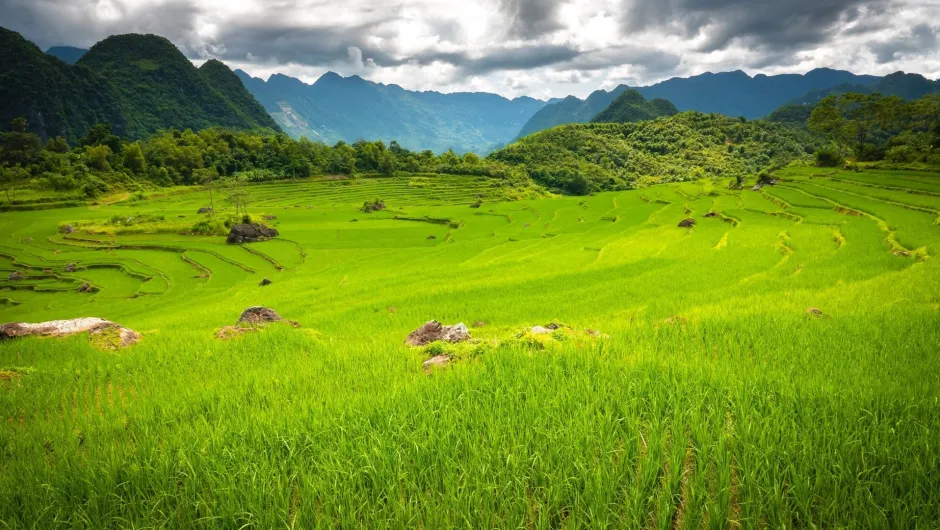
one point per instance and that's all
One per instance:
(609, 156)
(632, 106)
(138, 84)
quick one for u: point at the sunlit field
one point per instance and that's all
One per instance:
(775, 366)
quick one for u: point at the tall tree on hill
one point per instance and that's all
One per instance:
(19, 151)
(854, 121)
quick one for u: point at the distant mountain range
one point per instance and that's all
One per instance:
(907, 86)
(351, 108)
(67, 54)
(729, 93)
(137, 83)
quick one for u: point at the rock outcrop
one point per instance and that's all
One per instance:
(435, 331)
(250, 233)
(100, 331)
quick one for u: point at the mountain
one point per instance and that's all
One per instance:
(160, 87)
(225, 82)
(729, 93)
(137, 83)
(571, 110)
(55, 98)
(632, 106)
(67, 54)
(579, 158)
(351, 108)
(907, 86)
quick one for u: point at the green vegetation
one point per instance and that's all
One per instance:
(138, 84)
(873, 127)
(774, 366)
(632, 106)
(606, 156)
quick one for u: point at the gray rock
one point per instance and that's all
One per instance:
(16, 276)
(435, 362)
(434, 331)
(265, 282)
(250, 233)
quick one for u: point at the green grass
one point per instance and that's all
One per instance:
(713, 401)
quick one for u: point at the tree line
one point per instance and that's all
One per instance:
(874, 127)
(103, 161)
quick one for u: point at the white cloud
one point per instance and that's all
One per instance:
(534, 47)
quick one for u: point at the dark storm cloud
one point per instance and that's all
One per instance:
(531, 18)
(921, 39)
(771, 24)
(79, 22)
(278, 43)
(498, 59)
(650, 60)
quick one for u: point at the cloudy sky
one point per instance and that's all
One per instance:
(541, 48)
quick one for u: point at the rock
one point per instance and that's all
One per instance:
(772, 182)
(757, 187)
(687, 223)
(70, 267)
(204, 210)
(16, 276)
(540, 330)
(101, 332)
(815, 312)
(711, 214)
(553, 326)
(434, 331)
(432, 237)
(27, 240)
(111, 336)
(67, 229)
(259, 315)
(264, 282)
(250, 233)
(434, 362)
(86, 288)
(269, 217)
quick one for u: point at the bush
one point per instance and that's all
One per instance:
(828, 157)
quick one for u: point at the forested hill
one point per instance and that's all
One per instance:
(632, 106)
(578, 158)
(351, 108)
(136, 83)
(906, 86)
(727, 93)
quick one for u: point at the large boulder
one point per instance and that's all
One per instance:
(435, 362)
(250, 233)
(259, 315)
(101, 332)
(434, 331)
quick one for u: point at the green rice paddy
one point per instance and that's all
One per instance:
(712, 399)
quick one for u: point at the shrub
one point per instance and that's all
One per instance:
(828, 157)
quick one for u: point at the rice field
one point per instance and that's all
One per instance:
(712, 396)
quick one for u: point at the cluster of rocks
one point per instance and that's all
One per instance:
(116, 336)
(250, 233)
(252, 319)
(434, 331)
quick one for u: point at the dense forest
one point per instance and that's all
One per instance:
(609, 156)
(139, 84)
(632, 106)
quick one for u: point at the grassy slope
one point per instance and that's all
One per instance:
(749, 413)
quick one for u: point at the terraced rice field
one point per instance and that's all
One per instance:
(712, 399)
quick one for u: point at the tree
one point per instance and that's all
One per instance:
(207, 178)
(98, 157)
(19, 147)
(238, 194)
(853, 121)
(134, 159)
(100, 134)
(57, 145)
(11, 177)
